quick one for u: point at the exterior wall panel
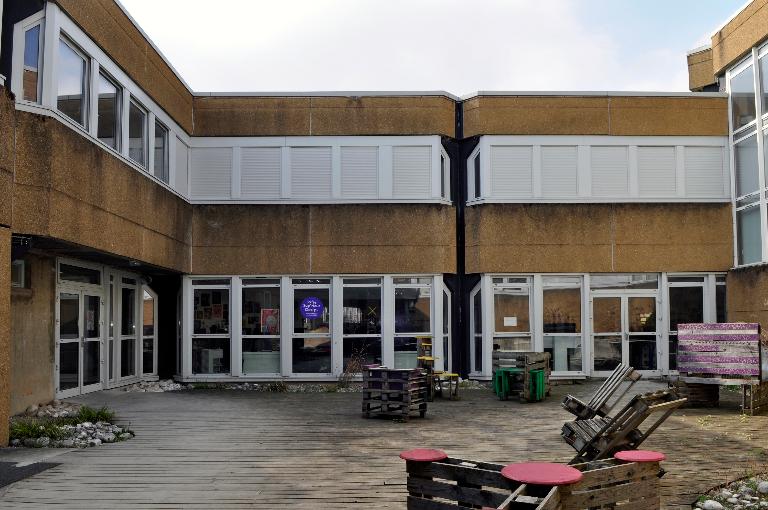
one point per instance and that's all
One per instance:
(5, 332)
(747, 295)
(739, 35)
(700, 70)
(553, 238)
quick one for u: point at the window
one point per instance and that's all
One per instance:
(210, 332)
(477, 176)
(721, 309)
(149, 332)
(161, 152)
(512, 317)
(72, 83)
(686, 305)
(743, 98)
(476, 347)
(17, 274)
(261, 326)
(562, 322)
(447, 355)
(79, 274)
(108, 121)
(311, 344)
(362, 322)
(31, 76)
(137, 134)
(445, 176)
(413, 318)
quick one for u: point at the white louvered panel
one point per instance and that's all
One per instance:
(656, 171)
(559, 171)
(182, 168)
(260, 176)
(704, 173)
(360, 172)
(511, 171)
(311, 173)
(211, 173)
(610, 171)
(412, 171)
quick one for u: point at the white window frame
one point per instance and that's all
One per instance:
(584, 319)
(432, 291)
(19, 31)
(475, 337)
(190, 309)
(145, 145)
(257, 282)
(345, 285)
(87, 85)
(119, 109)
(153, 374)
(166, 151)
(473, 194)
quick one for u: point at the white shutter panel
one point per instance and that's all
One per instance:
(704, 173)
(182, 167)
(360, 172)
(310, 173)
(511, 171)
(260, 173)
(559, 171)
(412, 171)
(610, 171)
(656, 171)
(211, 173)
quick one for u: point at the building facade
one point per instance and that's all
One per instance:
(153, 231)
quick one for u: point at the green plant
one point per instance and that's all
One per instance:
(32, 428)
(93, 415)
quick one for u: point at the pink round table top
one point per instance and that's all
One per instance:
(542, 473)
(423, 455)
(640, 456)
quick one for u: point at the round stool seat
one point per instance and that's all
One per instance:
(640, 456)
(423, 455)
(541, 473)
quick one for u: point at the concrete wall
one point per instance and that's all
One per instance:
(68, 188)
(598, 237)
(323, 239)
(305, 116)
(597, 115)
(747, 29)
(5, 332)
(32, 336)
(106, 23)
(700, 71)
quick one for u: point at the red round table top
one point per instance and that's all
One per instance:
(542, 473)
(640, 456)
(423, 455)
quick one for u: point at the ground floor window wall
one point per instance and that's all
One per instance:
(318, 327)
(590, 323)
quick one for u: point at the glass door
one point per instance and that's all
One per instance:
(78, 342)
(624, 331)
(128, 350)
(311, 342)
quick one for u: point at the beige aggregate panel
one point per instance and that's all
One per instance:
(32, 333)
(7, 119)
(551, 238)
(747, 29)
(323, 239)
(317, 116)
(582, 115)
(700, 71)
(747, 296)
(5, 333)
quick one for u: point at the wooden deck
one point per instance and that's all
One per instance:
(230, 449)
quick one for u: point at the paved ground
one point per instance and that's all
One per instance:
(231, 449)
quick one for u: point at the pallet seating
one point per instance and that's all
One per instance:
(397, 392)
(439, 482)
(521, 374)
(601, 404)
(602, 436)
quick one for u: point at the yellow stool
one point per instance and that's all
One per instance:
(453, 384)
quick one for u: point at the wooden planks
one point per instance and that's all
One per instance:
(725, 350)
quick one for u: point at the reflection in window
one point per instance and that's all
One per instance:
(137, 138)
(743, 98)
(78, 274)
(512, 321)
(477, 175)
(362, 310)
(406, 350)
(72, 76)
(128, 311)
(477, 331)
(361, 352)
(311, 355)
(745, 160)
(720, 300)
(108, 122)
(31, 76)
(161, 152)
(624, 281)
(686, 306)
(210, 356)
(412, 309)
(748, 235)
(211, 311)
(562, 322)
(261, 329)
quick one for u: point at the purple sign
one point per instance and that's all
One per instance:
(311, 308)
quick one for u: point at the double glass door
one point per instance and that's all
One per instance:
(79, 341)
(624, 330)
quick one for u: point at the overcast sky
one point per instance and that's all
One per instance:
(452, 45)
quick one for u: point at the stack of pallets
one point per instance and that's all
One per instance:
(397, 392)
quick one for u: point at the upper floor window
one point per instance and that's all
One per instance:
(137, 134)
(72, 83)
(108, 128)
(31, 75)
(743, 98)
(161, 152)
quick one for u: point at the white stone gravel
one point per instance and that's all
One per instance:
(746, 494)
(81, 435)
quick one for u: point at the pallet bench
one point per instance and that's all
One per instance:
(394, 392)
(725, 354)
(521, 374)
(603, 436)
(615, 386)
(439, 482)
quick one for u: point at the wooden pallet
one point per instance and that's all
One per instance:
(456, 484)
(394, 392)
(528, 361)
(754, 398)
(697, 394)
